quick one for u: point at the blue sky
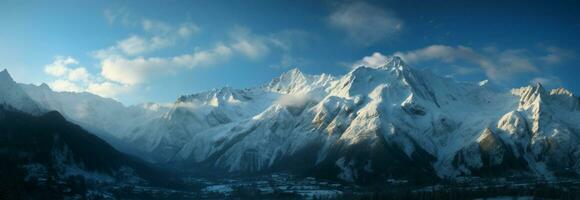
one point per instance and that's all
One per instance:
(137, 51)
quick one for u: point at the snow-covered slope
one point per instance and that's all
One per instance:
(107, 118)
(394, 120)
(86, 108)
(387, 121)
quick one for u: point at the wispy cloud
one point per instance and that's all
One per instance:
(156, 35)
(156, 27)
(364, 23)
(548, 81)
(557, 55)
(120, 15)
(124, 67)
(252, 46)
(289, 61)
(126, 62)
(497, 65)
(136, 45)
(136, 60)
(290, 39)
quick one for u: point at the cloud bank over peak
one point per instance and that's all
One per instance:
(498, 65)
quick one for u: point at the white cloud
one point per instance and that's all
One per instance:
(65, 85)
(107, 89)
(293, 100)
(128, 64)
(219, 53)
(70, 78)
(187, 29)
(78, 74)
(60, 66)
(133, 45)
(249, 44)
(498, 66)
(375, 60)
(132, 71)
(118, 66)
(444, 53)
(365, 23)
(156, 35)
(136, 45)
(252, 50)
(123, 63)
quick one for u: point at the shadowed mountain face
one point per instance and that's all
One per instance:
(48, 150)
(12, 94)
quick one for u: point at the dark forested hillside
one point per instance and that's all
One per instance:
(41, 154)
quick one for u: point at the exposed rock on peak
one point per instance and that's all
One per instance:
(373, 122)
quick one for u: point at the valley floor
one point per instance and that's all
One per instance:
(286, 186)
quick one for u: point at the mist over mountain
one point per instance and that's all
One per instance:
(371, 123)
(47, 150)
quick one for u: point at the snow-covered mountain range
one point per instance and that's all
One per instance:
(387, 121)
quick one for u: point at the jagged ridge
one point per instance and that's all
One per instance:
(385, 121)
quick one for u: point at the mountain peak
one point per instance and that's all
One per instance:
(5, 76)
(539, 87)
(44, 86)
(55, 116)
(294, 71)
(395, 62)
(539, 90)
(389, 63)
(287, 80)
(531, 95)
(561, 91)
(292, 74)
